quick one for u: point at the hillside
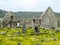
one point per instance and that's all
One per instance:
(2, 13)
(21, 14)
(58, 18)
(27, 14)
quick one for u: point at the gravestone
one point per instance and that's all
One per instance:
(24, 28)
(36, 29)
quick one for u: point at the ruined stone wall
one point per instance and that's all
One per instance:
(48, 19)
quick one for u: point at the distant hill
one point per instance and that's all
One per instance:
(2, 13)
(28, 14)
(21, 14)
(58, 18)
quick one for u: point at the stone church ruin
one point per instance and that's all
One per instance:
(46, 20)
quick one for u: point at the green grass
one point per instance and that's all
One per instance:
(46, 37)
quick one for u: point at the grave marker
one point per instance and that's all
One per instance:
(36, 29)
(24, 28)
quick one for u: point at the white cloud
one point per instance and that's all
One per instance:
(33, 5)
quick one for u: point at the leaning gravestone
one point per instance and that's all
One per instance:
(24, 28)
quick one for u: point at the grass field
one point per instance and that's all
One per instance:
(14, 36)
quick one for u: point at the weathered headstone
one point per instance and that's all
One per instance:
(36, 29)
(24, 28)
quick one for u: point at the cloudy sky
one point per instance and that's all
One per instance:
(29, 5)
